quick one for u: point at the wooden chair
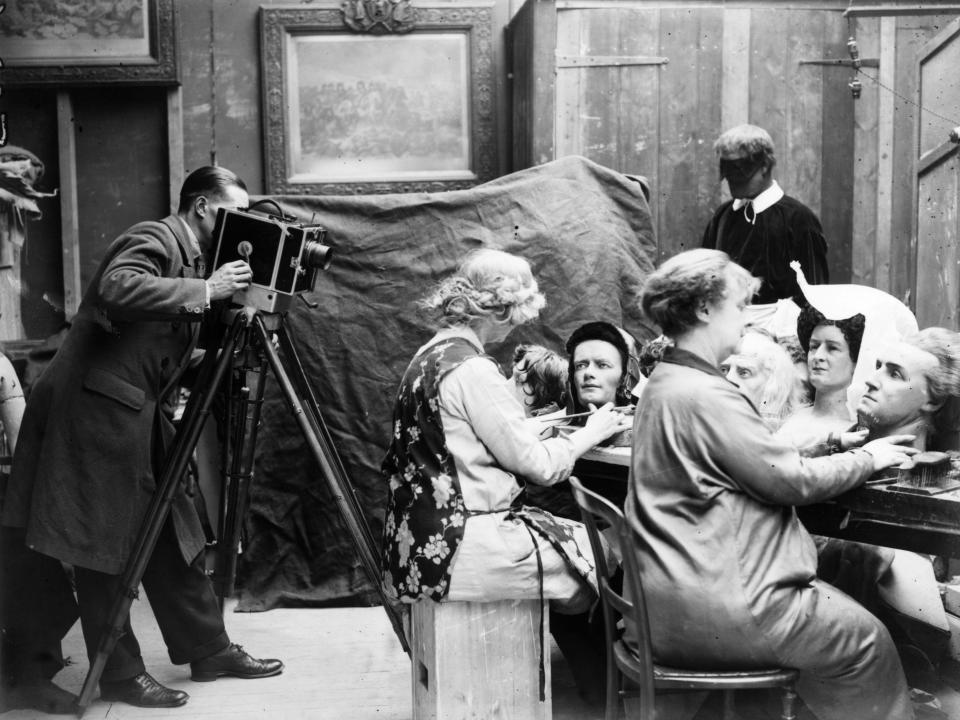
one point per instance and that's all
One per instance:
(645, 674)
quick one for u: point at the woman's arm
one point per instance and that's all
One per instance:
(477, 393)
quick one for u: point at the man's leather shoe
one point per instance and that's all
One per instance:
(232, 661)
(142, 691)
(43, 695)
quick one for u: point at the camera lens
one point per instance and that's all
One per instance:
(316, 255)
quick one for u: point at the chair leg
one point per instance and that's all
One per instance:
(614, 683)
(788, 700)
(729, 710)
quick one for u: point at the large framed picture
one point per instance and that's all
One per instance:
(47, 42)
(352, 112)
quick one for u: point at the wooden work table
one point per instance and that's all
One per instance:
(875, 513)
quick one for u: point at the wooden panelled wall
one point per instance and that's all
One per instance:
(645, 87)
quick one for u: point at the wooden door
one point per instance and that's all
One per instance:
(938, 182)
(646, 86)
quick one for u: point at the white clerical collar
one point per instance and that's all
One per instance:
(768, 198)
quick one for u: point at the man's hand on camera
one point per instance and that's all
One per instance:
(228, 278)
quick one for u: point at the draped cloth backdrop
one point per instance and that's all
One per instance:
(586, 231)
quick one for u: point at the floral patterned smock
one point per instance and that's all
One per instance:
(429, 504)
(425, 514)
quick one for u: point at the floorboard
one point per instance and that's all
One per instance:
(341, 664)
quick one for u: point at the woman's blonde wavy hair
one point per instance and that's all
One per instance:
(489, 283)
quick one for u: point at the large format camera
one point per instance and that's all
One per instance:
(284, 255)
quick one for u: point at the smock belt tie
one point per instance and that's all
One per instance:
(531, 526)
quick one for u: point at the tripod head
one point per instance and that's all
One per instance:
(285, 255)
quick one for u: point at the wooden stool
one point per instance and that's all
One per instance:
(479, 660)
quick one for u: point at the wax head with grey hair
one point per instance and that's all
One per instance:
(763, 370)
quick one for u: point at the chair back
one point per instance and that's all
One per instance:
(629, 604)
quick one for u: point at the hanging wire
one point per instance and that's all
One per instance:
(905, 99)
(851, 33)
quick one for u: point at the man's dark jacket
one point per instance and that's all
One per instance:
(96, 420)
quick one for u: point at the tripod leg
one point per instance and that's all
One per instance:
(198, 408)
(245, 414)
(305, 390)
(332, 470)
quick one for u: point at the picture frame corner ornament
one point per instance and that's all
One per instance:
(379, 16)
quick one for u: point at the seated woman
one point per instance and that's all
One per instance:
(729, 573)
(460, 443)
(763, 371)
(454, 528)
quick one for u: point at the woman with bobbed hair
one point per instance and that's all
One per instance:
(729, 573)
(454, 529)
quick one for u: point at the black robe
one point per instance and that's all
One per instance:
(788, 230)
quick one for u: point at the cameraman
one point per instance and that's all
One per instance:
(94, 436)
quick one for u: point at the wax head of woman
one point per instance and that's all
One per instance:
(832, 347)
(491, 288)
(700, 292)
(599, 357)
(763, 370)
(540, 379)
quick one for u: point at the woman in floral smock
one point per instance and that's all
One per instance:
(454, 530)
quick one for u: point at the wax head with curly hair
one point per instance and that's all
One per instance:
(540, 375)
(677, 291)
(489, 283)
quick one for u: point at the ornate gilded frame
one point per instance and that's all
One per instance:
(284, 29)
(103, 59)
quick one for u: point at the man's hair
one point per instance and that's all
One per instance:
(545, 372)
(674, 293)
(943, 380)
(746, 142)
(209, 181)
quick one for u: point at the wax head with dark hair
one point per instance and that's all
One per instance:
(208, 181)
(852, 328)
(541, 377)
(603, 332)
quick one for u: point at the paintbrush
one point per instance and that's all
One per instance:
(561, 418)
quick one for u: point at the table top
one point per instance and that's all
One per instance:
(878, 512)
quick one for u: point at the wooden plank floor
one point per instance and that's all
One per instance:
(341, 664)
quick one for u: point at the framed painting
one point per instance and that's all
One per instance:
(357, 112)
(88, 42)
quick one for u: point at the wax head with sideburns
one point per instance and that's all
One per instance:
(913, 381)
